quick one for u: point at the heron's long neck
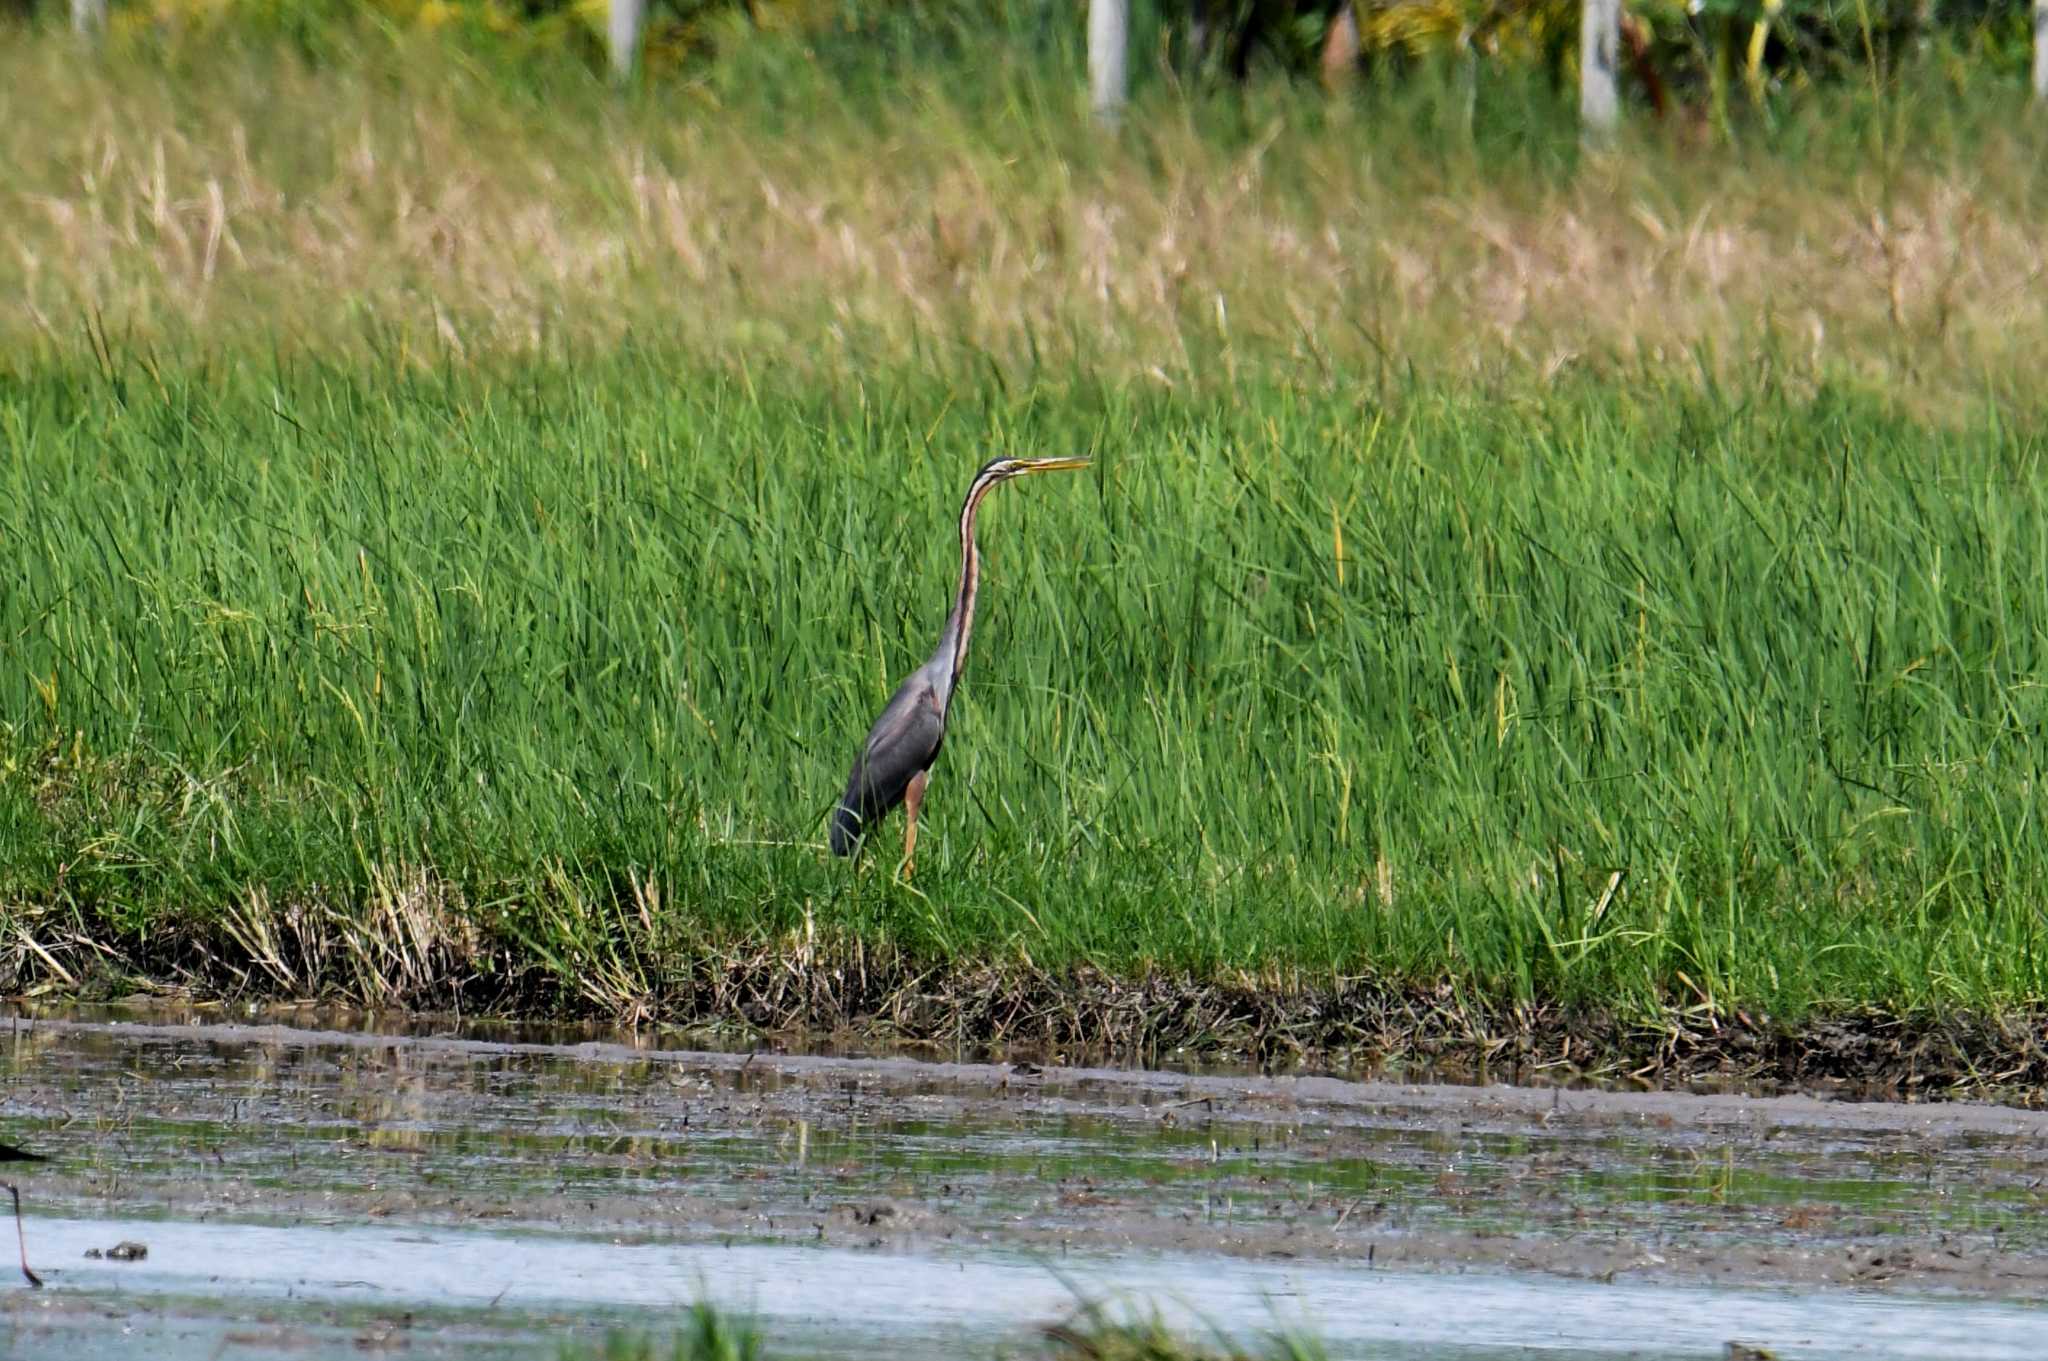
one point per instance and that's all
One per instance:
(960, 624)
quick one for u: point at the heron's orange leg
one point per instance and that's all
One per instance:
(20, 1237)
(913, 799)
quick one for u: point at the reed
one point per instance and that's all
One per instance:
(1628, 696)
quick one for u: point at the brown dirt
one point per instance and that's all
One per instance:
(856, 992)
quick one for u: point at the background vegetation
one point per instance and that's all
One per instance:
(835, 207)
(463, 517)
(1708, 47)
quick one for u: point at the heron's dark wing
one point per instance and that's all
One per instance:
(904, 741)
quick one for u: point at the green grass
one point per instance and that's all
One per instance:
(1094, 1332)
(577, 656)
(460, 532)
(708, 1334)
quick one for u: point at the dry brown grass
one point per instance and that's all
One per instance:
(245, 199)
(417, 946)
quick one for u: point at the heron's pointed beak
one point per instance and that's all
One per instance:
(1050, 465)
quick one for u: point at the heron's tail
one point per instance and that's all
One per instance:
(845, 830)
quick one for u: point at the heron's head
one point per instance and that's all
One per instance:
(1006, 468)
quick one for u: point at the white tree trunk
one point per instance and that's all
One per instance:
(2041, 49)
(1109, 31)
(624, 32)
(88, 16)
(1599, 55)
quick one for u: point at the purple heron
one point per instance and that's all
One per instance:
(896, 761)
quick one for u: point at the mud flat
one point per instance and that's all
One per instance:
(320, 1191)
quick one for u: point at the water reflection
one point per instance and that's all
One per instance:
(142, 1120)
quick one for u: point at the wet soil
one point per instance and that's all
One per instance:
(875, 994)
(637, 1143)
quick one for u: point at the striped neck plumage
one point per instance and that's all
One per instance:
(960, 627)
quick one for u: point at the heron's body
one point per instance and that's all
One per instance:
(892, 767)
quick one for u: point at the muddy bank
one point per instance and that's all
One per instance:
(638, 1143)
(854, 992)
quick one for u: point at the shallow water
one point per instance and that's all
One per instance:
(838, 1302)
(323, 1192)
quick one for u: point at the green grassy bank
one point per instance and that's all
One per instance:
(458, 533)
(564, 668)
